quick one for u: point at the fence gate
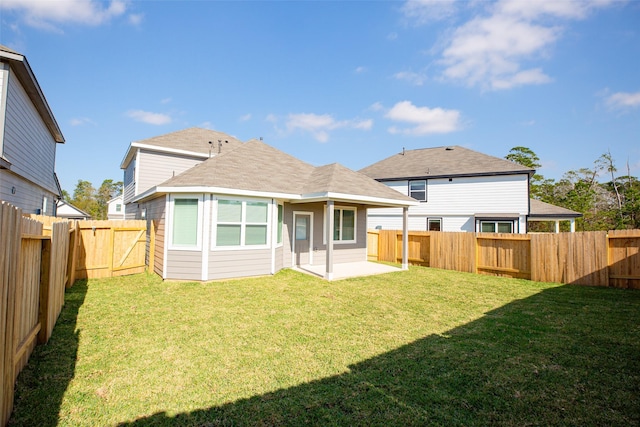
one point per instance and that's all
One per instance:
(110, 248)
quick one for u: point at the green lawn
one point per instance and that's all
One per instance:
(421, 347)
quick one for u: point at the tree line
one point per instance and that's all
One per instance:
(94, 202)
(607, 199)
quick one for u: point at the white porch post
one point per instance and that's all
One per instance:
(329, 239)
(573, 225)
(557, 225)
(405, 238)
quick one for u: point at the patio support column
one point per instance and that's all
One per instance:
(405, 238)
(557, 225)
(573, 225)
(329, 238)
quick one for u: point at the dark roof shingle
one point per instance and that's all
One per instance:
(440, 162)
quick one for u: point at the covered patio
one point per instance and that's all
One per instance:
(348, 270)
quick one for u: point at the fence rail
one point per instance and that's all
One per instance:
(587, 258)
(41, 256)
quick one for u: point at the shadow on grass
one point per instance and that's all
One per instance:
(566, 356)
(43, 382)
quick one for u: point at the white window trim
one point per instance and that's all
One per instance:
(198, 246)
(425, 189)
(355, 225)
(496, 222)
(243, 224)
(435, 219)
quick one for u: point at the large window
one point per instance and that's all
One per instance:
(241, 223)
(344, 225)
(185, 223)
(496, 226)
(418, 190)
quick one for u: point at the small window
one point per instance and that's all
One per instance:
(280, 221)
(45, 201)
(344, 225)
(118, 207)
(418, 190)
(434, 224)
(496, 226)
(185, 222)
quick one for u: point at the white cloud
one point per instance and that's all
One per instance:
(360, 70)
(376, 106)
(46, 14)
(206, 125)
(423, 120)
(135, 19)
(319, 125)
(79, 121)
(623, 100)
(415, 79)
(149, 118)
(392, 36)
(165, 100)
(425, 11)
(245, 118)
(494, 49)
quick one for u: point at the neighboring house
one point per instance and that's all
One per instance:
(251, 210)
(115, 208)
(68, 211)
(459, 190)
(29, 135)
(154, 160)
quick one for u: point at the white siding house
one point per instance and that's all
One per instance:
(115, 208)
(458, 190)
(29, 135)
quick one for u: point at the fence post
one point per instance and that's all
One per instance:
(11, 238)
(45, 282)
(152, 246)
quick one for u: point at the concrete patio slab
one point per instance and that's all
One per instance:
(347, 270)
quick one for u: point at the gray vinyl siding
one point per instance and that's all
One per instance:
(239, 263)
(129, 182)
(156, 212)
(156, 167)
(342, 253)
(27, 196)
(28, 144)
(279, 264)
(287, 233)
(4, 82)
(184, 265)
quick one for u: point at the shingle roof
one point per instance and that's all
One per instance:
(439, 162)
(542, 209)
(195, 140)
(256, 166)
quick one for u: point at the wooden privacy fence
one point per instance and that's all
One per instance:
(41, 256)
(33, 269)
(104, 248)
(588, 258)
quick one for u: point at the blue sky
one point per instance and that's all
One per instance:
(330, 81)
